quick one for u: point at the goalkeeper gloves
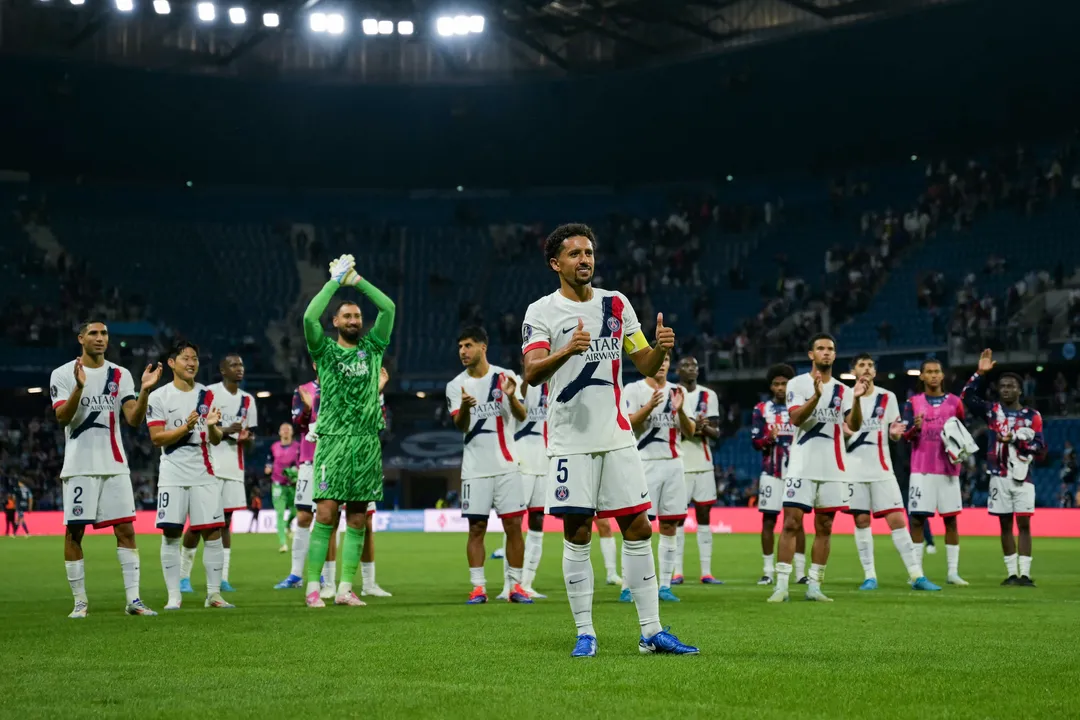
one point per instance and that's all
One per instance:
(343, 270)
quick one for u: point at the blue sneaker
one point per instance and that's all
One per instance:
(498, 554)
(185, 585)
(677, 580)
(924, 584)
(664, 643)
(625, 596)
(667, 596)
(518, 595)
(584, 647)
(710, 580)
(293, 581)
(478, 596)
(226, 587)
(869, 584)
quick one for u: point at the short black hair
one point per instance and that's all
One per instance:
(473, 332)
(861, 356)
(85, 324)
(553, 244)
(180, 346)
(225, 359)
(821, 336)
(784, 371)
(930, 361)
(343, 303)
(1019, 380)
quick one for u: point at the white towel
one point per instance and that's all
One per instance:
(959, 445)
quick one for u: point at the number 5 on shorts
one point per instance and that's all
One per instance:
(562, 473)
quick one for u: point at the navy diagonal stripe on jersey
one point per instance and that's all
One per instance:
(478, 428)
(585, 377)
(526, 430)
(91, 419)
(651, 436)
(861, 439)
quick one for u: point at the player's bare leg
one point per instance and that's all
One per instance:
(188, 550)
(608, 551)
(75, 568)
(352, 546)
(952, 550)
(515, 558)
(300, 542)
(128, 555)
(170, 564)
(703, 513)
(1023, 528)
(768, 545)
(819, 555)
(475, 554)
(785, 552)
(367, 563)
(326, 517)
(668, 550)
(1008, 549)
(534, 548)
(214, 564)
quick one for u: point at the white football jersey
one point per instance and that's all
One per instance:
(818, 451)
(661, 437)
(93, 444)
(585, 406)
(530, 434)
(868, 449)
(488, 444)
(695, 451)
(228, 455)
(188, 461)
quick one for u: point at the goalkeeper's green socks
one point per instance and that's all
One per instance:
(281, 524)
(321, 536)
(350, 558)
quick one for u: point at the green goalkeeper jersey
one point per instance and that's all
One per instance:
(349, 377)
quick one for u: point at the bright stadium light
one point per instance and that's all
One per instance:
(461, 25)
(206, 11)
(318, 22)
(370, 26)
(386, 27)
(405, 27)
(78, 2)
(161, 7)
(125, 5)
(335, 23)
(847, 376)
(263, 394)
(476, 24)
(445, 26)
(914, 372)
(421, 394)
(34, 390)
(237, 16)
(271, 20)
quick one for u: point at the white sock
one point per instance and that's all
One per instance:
(952, 559)
(329, 572)
(300, 542)
(669, 546)
(1010, 565)
(170, 566)
(640, 569)
(76, 575)
(506, 569)
(817, 576)
(367, 575)
(312, 587)
(770, 569)
(187, 560)
(1025, 566)
(704, 546)
(607, 549)
(578, 575)
(213, 560)
(680, 546)
(343, 588)
(864, 545)
(225, 564)
(129, 568)
(919, 549)
(534, 548)
(800, 566)
(783, 576)
(513, 576)
(901, 539)
(476, 577)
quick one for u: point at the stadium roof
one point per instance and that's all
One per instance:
(405, 40)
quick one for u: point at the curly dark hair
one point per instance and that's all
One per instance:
(776, 371)
(553, 244)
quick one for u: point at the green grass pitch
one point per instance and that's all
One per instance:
(978, 652)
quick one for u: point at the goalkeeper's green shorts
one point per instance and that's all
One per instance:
(348, 468)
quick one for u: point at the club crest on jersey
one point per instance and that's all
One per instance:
(361, 354)
(323, 485)
(879, 411)
(561, 493)
(613, 324)
(55, 391)
(203, 409)
(837, 401)
(526, 333)
(113, 387)
(149, 411)
(496, 394)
